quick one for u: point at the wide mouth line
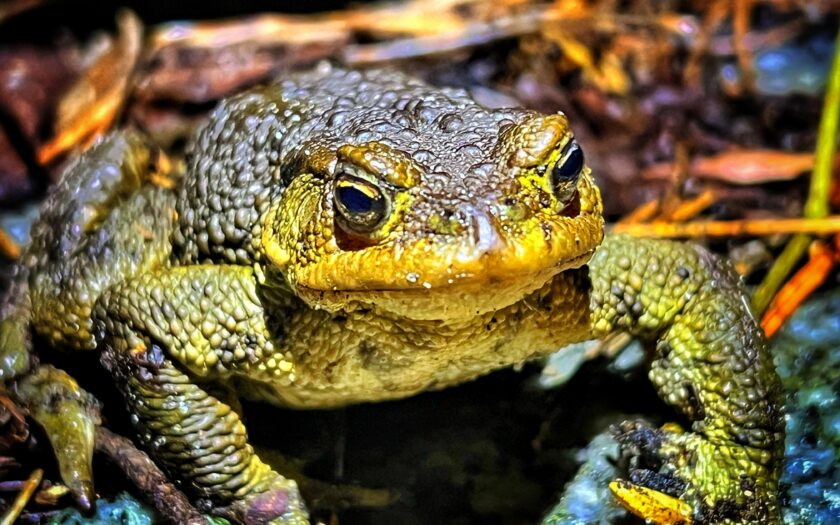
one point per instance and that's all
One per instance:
(460, 282)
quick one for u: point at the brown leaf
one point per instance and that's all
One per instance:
(13, 427)
(92, 104)
(202, 62)
(742, 166)
(31, 79)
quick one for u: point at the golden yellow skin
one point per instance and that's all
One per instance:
(254, 275)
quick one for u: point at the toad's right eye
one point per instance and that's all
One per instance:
(567, 170)
(361, 204)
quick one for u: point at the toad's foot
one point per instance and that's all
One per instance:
(279, 504)
(69, 416)
(681, 477)
(199, 438)
(174, 383)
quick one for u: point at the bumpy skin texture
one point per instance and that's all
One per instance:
(692, 307)
(344, 237)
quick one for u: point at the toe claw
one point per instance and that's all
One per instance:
(651, 505)
(85, 496)
(69, 417)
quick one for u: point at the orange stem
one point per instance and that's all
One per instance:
(749, 227)
(799, 287)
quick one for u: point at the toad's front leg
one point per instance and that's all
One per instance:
(711, 362)
(170, 339)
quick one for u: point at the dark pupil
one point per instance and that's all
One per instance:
(361, 204)
(355, 200)
(568, 170)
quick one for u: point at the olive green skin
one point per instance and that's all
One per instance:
(187, 297)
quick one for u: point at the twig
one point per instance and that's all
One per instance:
(472, 35)
(776, 275)
(712, 19)
(742, 10)
(755, 41)
(688, 209)
(37, 518)
(750, 227)
(22, 498)
(679, 172)
(818, 195)
(140, 469)
(450, 32)
(12, 485)
(799, 287)
(644, 212)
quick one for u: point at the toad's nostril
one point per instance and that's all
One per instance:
(476, 228)
(482, 229)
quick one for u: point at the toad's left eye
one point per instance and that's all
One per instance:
(360, 203)
(566, 172)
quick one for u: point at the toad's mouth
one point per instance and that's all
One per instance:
(492, 265)
(549, 246)
(465, 297)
